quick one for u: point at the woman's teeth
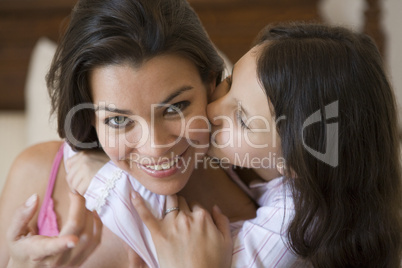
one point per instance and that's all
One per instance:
(164, 166)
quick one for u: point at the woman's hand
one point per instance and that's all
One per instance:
(77, 240)
(82, 167)
(188, 238)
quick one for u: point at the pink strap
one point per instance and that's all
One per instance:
(47, 220)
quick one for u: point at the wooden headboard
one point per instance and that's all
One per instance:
(231, 24)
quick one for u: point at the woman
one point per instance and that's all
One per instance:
(127, 54)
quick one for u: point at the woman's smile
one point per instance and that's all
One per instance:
(163, 167)
(158, 127)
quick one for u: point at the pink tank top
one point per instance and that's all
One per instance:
(47, 220)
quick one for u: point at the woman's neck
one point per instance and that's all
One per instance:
(211, 186)
(248, 175)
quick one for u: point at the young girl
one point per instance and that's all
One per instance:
(323, 91)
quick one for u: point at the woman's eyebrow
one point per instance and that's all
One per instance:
(113, 110)
(162, 104)
(174, 95)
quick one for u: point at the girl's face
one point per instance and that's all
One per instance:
(151, 120)
(243, 127)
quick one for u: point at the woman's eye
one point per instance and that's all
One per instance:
(176, 107)
(118, 121)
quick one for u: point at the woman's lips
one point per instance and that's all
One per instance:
(165, 169)
(160, 173)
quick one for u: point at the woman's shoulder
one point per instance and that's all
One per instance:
(32, 166)
(28, 175)
(38, 155)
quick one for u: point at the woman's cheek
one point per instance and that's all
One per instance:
(110, 142)
(197, 128)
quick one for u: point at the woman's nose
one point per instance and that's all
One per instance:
(158, 143)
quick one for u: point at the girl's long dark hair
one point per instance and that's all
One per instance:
(340, 137)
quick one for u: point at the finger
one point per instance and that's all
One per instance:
(198, 209)
(82, 186)
(171, 206)
(76, 216)
(98, 227)
(79, 223)
(183, 205)
(71, 179)
(146, 216)
(22, 217)
(88, 241)
(222, 223)
(47, 246)
(73, 169)
(72, 161)
(87, 230)
(201, 213)
(96, 235)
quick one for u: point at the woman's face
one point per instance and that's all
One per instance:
(243, 127)
(151, 120)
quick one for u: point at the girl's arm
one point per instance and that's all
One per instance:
(82, 167)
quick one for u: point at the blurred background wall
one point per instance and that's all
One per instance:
(232, 24)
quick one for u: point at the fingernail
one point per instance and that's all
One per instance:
(134, 195)
(71, 244)
(84, 238)
(31, 200)
(217, 209)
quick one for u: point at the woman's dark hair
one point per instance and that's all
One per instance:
(103, 32)
(340, 137)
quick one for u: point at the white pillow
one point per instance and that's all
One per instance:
(39, 126)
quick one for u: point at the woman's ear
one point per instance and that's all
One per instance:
(280, 167)
(285, 171)
(211, 87)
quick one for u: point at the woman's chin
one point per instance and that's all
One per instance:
(170, 189)
(168, 185)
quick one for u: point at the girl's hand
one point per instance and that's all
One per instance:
(188, 237)
(82, 167)
(77, 240)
